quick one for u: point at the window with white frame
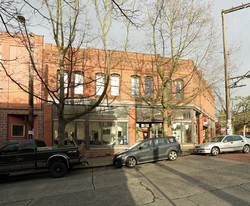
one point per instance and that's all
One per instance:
(169, 89)
(179, 89)
(115, 85)
(135, 86)
(100, 81)
(149, 87)
(66, 81)
(78, 82)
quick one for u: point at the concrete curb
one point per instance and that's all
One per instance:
(106, 161)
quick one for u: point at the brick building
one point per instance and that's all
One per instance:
(123, 117)
(14, 102)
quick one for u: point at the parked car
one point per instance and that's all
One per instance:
(33, 154)
(149, 150)
(226, 143)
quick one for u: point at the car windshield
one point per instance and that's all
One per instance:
(217, 139)
(134, 145)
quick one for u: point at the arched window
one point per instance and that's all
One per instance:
(149, 87)
(100, 81)
(115, 85)
(179, 89)
(135, 86)
(78, 82)
(65, 80)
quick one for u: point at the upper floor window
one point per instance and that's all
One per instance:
(169, 89)
(100, 81)
(115, 85)
(65, 80)
(78, 82)
(135, 86)
(179, 89)
(149, 87)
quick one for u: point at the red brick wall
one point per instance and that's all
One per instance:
(48, 124)
(132, 64)
(16, 60)
(132, 126)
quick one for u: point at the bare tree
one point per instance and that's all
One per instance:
(241, 114)
(179, 29)
(67, 25)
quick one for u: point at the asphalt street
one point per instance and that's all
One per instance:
(190, 180)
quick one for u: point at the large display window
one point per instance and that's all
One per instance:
(108, 133)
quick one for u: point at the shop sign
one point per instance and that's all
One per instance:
(205, 121)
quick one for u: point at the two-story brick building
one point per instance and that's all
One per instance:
(123, 117)
(14, 102)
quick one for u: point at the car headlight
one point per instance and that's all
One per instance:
(121, 156)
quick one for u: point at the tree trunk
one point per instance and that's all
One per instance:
(244, 130)
(165, 122)
(165, 110)
(60, 112)
(61, 132)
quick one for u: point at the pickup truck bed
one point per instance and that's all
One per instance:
(33, 154)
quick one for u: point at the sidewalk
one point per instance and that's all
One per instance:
(102, 161)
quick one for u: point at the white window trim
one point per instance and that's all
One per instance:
(135, 86)
(100, 81)
(115, 85)
(78, 82)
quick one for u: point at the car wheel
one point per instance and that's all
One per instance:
(246, 149)
(215, 151)
(58, 169)
(172, 155)
(131, 162)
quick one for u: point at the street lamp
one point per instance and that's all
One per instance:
(31, 78)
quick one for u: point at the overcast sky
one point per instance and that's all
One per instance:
(237, 34)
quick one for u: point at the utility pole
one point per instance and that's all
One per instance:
(227, 87)
(31, 89)
(31, 77)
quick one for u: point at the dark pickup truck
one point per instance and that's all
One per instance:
(33, 154)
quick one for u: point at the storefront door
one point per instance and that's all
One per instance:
(145, 133)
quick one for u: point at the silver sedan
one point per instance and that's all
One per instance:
(226, 143)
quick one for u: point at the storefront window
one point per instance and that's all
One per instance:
(109, 113)
(80, 132)
(148, 115)
(181, 114)
(138, 133)
(95, 133)
(122, 133)
(176, 131)
(156, 130)
(108, 129)
(104, 133)
(69, 133)
(182, 131)
(187, 133)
